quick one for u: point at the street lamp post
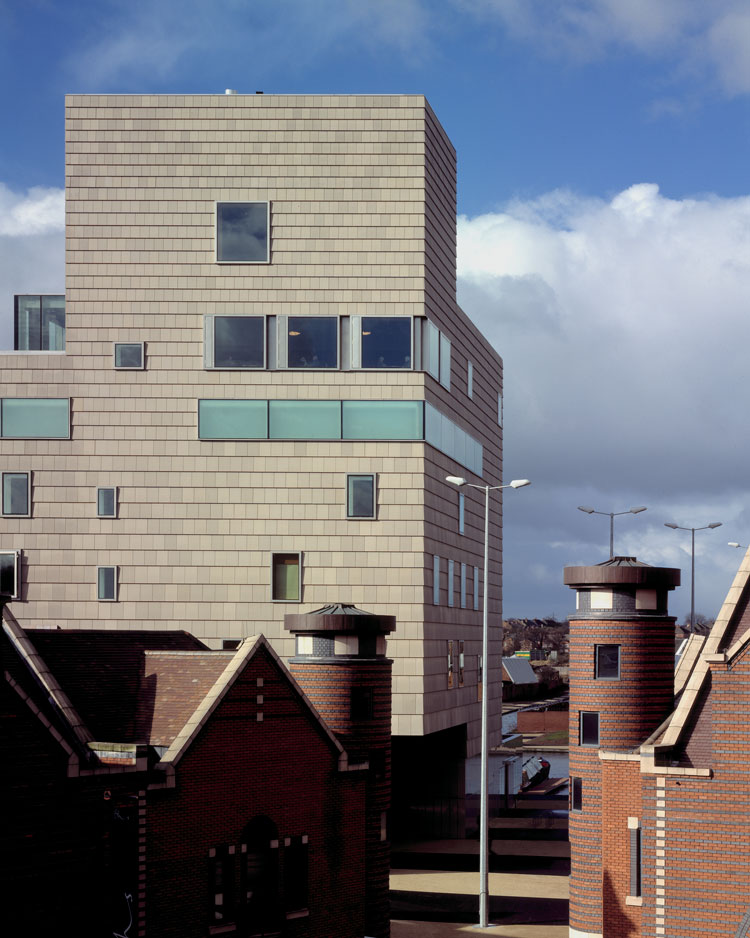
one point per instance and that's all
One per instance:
(611, 516)
(484, 879)
(677, 527)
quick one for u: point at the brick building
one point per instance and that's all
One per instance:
(249, 397)
(659, 760)
(159, 788)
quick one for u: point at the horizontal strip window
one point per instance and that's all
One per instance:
(41, 418)
(338, 420)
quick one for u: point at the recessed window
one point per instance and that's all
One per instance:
(129, 356)
(242, 230)
(431, 349)
(463, 585)
(451, 578)
(295, 874)
(600, 599)
(10, 573)
(16, 494)
(106, 502)
(106, 584)
(635, 857)
(470, 379)
(221, 885)
(313, 342)
(386, 342)
(360, 496)
(445, 361)
(460, 664)
(646, 599)
(436, 580)
(235, 342)
(461, 512)
(588, 728)
(361, 703)
(576, 793)
(607, 662)
(39, 323)
(451, 665)
(285, 578)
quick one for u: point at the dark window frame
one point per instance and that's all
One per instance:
(599, 653)
(139, 345)
(15, 514)
(585, 735)
(116, 584)
(106, 488)
(576, 793)
(275, 561)
(350, 500)
(218, 238)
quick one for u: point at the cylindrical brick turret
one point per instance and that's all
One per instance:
(340, 664)
(621, 689)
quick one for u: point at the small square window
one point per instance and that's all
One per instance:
(576, 793)
(106, 584)
(16, 494)
(360, 496)
(106, 502)
(285, 578)
(129, 356)
(588, 728)
(242, 232)
(10, 573)
(607, 662)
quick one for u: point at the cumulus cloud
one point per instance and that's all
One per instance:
(32, 248)
(623, 326)
(696, 34)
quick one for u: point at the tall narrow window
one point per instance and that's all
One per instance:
(480, 681)
(463, 585)
(221, 897)
(588, 728)
(10, 574)
(607, 662)
(500, 409)
(295, 874)
(260, 911)
(451, 665)
(445, 361)
(16, 494)
(106, 584)
(451, 578)
(635, 856)
(461, 512)
(360, 496)
(576, 793)
(470, 379)
(436, 580)
(129, 356)
(285, 578)
(460, 664)
(476, 588)
(242, 232)
(106, 502)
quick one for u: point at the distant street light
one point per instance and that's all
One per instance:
(677, 527)
(484, 879)
(735, 544)
(611, 515)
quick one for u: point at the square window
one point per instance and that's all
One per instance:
(129, 356)
(106, 502)
(242, 232)
(285, 577)
(313, 342)
(461, 512)
(10, 573)
(576, 793)
(235, 342)
(360, 496)
(386, 342)
(607, 662)
(16, 494)
(588, 728)
(601, 599)
(106, 584)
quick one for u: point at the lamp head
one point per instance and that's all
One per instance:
(670, 524)
(635, 511)
(456, 480)
(589, 511)
(715, 524)
(733, 544)
(519, 483)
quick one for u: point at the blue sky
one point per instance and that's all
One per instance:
(604, 224)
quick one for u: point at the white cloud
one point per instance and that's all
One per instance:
(32, 248)
(623, 326)
(696, 34)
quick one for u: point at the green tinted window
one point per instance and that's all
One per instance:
(383, 420)
(285, 577)
(305, 420)
(232, 420)
(42, 418)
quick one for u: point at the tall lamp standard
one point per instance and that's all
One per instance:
(611, 515)
(677, 527)
(484, 878)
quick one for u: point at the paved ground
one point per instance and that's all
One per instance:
(528, 899)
